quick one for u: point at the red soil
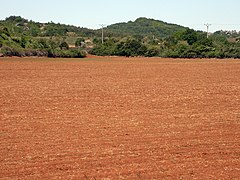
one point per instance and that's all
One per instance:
(129, 118)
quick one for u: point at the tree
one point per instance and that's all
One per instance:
(190, 36)
(16, 19)
(6, 31)
(152, 51)
(108, 48)
(130, 47)
(24, 41)
(64, 45)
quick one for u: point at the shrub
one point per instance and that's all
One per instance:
(64, 46)
(71, 53)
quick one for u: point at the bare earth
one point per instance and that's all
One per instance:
(119, 118)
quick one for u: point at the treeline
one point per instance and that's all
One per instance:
(185, 43)
(143, 37)
(128, 46)
(18, 25)
(141, 26)
(29, 46)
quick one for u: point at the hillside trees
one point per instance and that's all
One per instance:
(144, 27)
(142, 37)
(182, 44)
(28, 46)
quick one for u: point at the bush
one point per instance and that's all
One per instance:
(152, 51)
(64, 46)
(71, 53)
(130, 47)
(9, 51)
(103, 50)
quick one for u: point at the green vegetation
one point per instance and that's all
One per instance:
(28, 46)
(18, 37)
(143, 37)
(182, 44)
(143, 27)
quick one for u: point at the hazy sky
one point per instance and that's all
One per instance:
(222, 14)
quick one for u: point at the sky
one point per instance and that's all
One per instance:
(221, 14)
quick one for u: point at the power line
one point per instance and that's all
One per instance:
(226, 24)
(216, 24)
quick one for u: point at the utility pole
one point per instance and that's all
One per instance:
(208, 25)
(102, 25)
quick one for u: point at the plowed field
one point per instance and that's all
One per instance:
(119, 118)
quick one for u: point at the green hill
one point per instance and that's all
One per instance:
(144, 27)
